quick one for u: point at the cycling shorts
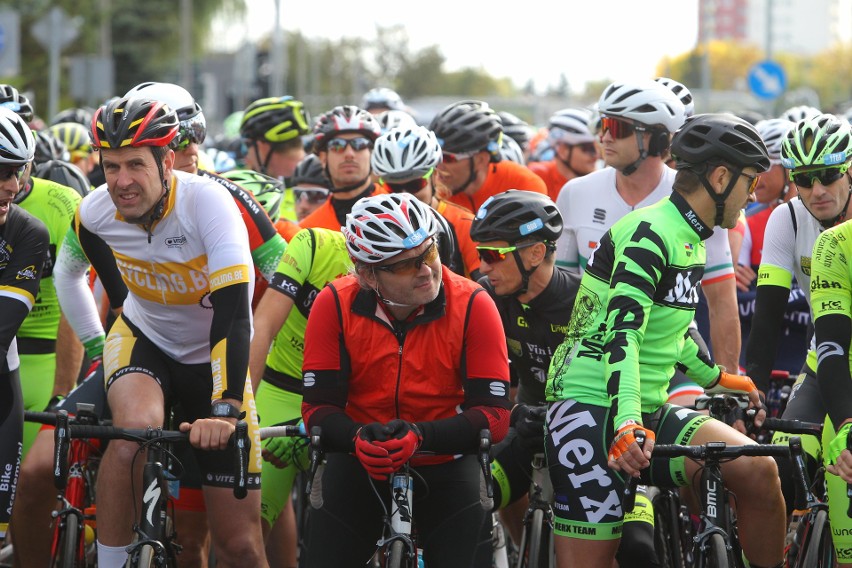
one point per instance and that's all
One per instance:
(587, 493)
(127, 350)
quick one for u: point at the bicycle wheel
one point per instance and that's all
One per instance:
(819, 550)
(69, 543)
(668, 540)
(144, 557)
(539, 544)
(397, 557)
(717, 552)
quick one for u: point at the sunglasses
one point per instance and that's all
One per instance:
(7, 172)
(492, 255)
(338, 145)
(825, 176)
(587, 148)
(450, 158)
(752, 181)
(193, 130)
(411, 266)
(315, 195)
(618, 128)
(412, 186)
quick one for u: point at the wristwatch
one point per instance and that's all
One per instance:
(221, 409)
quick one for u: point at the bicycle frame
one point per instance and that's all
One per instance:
(540, 498)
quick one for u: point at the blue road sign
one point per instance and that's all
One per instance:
(767, 79)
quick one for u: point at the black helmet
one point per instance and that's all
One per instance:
(718, 138)
(310, 170)
(16, 102)
(468, 126)
(79, 115)
(515, 128)
(64, 173)
(134, 122)
(48, 147)
(516, 214)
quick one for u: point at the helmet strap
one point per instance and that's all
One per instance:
(470, 179)
(262, 164)
(720, 198)
(525, 274)
(643, 153)
(567, 163)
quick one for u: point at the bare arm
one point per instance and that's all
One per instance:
(69, 358)
(724, 322)
(269, 316)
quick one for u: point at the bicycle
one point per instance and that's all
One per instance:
(70, 547)
(536, 547)
(716, 543)
(155, 535)
(397, 547)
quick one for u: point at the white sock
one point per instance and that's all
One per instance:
(111, 556)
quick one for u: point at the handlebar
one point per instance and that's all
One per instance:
(628, 495)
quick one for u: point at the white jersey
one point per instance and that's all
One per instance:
(591, 204)
(198, 246)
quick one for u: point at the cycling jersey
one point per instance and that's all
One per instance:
(534, 330)
(591, 204)
(314, 258)
(332, 213)
(359, 367)
(24, 242)
(460, 220)
(636, 301)
(166, 280)
(549, 172)
(752, 247)
(502, 176)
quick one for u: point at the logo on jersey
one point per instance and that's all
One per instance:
(175, 242)
(599, 216)
(27, 273)
(688, 248)
(822, 284)
(828, 349)
(805, 263)
(684, 293)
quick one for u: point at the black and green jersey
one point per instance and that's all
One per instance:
(313, 258)
(629, 325)
(54, 205)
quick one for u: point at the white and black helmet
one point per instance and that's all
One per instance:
(405, 153)
(17, 143)
(681, 92)
(772, 132)
(570, 126)
(382, 97)
(800, 113)
(382, 226)
(391, 119)
(647, 102)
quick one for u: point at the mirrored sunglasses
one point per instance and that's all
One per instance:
(825, 176)
(338, 145)
(411, 266)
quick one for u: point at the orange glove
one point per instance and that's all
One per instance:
(731, 383)
(625, 436)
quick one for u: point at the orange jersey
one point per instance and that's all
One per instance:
(287, 228)
(325, 217)
(551, 176)
(501, 176)
(461, 219)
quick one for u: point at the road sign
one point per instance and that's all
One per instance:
(767, 79)
(57, 27)
(10, 44)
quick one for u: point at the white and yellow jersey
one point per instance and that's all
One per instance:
(198, 246)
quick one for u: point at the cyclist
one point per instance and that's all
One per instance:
(637, 119)
(517, 129)
(64, 173)
(628, 330)
(391, 119)
(75, 136)
(470, 133)
(817, 152)
(24, 242)
(405, 161)
(517, 232)
(575, 151)
(400, 356)
(172, 251)
(343, 141)
(381, 99)
(310, 186)
(48, 148)
(272, 129)
(11, 99)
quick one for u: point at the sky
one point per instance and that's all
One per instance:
(546, 39)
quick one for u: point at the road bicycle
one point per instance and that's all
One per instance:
(536, 547)
(154, 544)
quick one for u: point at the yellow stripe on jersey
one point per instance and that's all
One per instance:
(231, 275)
(771, 275)
(18, 294)
(169, 283)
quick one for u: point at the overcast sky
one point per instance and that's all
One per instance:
(540, 42)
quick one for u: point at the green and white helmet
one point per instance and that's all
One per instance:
(268, 191)
(823, 140)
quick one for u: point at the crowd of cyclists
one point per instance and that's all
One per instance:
(404, 284)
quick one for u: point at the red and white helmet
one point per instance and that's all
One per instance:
(382, 226)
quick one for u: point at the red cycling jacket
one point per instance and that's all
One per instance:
(445, 368)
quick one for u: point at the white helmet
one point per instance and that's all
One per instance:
(391, 119)
(173, 95)
(772, 132)
(681, 92)
(799, 113)
(570, 126)
(646, 102)
(405, 153)
(381, 97)
(17, 143)
(382, 226)
(511, 150)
